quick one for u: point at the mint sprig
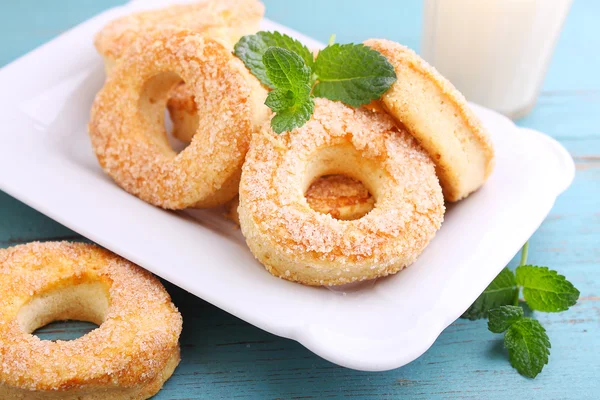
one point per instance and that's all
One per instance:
(501, 318)
(251, 49)
(291, 99)
(528, 346)
(354, 74)
(502, 291)
(546, 290)
(525, 339)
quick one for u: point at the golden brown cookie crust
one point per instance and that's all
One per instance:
(132, 353)
(127, 120)
(435, 113)
(227, 20)
(297, 243)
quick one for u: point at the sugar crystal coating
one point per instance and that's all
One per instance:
(438, 116)
(130, 349)
(127, 129)
(298, 243)
(225, 19)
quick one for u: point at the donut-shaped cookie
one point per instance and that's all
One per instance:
(297, 243)
(127, 120)
(224, 19)
(435, 113)
(129, 356)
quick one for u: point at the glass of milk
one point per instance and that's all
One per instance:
(495, 52)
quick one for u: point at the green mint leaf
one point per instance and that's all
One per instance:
(501, 318)
(502, 291)
(291, 118)
(286, 70)
(291, 98)
(251, 49)
(354, 74)
(528, 346)
(546, 290)
(280, 99)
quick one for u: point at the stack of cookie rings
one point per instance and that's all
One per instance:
(130, 355)
(420, 144)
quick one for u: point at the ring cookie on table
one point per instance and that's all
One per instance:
(130, 355)
(297, 243)
(127, 120)
(434, 112)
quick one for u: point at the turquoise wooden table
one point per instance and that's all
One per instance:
(224, 357)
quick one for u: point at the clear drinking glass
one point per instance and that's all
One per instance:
(496, 52)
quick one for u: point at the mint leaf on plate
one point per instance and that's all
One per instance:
(290, 99)
(501, 318)
(251, 49)
(502, 291)
(546, 290)
(354, 74)
(528, 346)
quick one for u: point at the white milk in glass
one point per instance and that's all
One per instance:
(495, 52)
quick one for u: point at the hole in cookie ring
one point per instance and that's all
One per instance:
(65, 330)
(183, 115)
(342, 196)
(82, 302)
(169, 107)
(152, 106)
(342, 164)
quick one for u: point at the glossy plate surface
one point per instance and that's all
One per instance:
(46, 161)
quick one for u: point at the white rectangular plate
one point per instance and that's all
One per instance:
(46, 161)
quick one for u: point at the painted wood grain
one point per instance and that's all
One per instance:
(224, 357)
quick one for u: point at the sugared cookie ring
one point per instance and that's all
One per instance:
(227, 20)
(127, 120)
(435, 113)
(297, 243)
(129, 356)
